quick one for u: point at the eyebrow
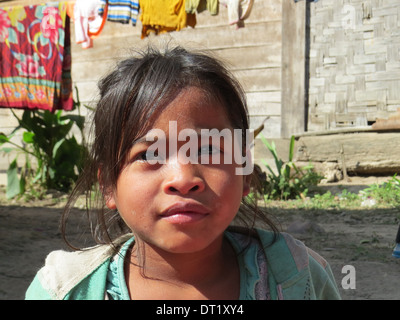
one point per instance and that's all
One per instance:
(141, 140)
(198, 132)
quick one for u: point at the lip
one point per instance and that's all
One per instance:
(184, 212)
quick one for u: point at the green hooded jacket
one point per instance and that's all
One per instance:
(294, 272)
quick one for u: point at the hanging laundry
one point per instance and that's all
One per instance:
(35, 59)
(122, 11)
(161, 16)
(88, 22)
(238, 10)
(193, 6)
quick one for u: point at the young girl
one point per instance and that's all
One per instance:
(174, 221)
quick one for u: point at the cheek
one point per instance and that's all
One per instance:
(135, 194)
(132, 210)
(126, 193)
(228, 186)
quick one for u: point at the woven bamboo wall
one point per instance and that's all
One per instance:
(354, 62)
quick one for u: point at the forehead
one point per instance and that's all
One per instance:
(194, 108)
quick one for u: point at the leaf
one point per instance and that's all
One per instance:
(29, 120)
(50, 118)
(13, 184)
(7, 150)
(57, 146)
(28, 137)
(52, 173)
(37, 177)
(271, 147)
(265, 163)
(3, 138)
(77, 119)
(22, 184)
(291, 148)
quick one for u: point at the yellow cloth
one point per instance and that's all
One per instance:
(164, 16)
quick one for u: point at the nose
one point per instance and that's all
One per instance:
(182, 179)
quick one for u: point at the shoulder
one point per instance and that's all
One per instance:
(283, 246)
(298, 271)
(64, 270)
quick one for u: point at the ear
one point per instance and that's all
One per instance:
(107, 194)
(110, 202)
(246, 185)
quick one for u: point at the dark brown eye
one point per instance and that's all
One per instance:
(208, 149)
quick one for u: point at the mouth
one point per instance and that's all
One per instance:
(184, 212)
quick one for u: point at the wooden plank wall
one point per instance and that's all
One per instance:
(253, 54)
(354, 62)
(293, 109)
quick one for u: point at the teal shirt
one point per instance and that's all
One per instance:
(284, 269)
(252, 276)
(116, 287)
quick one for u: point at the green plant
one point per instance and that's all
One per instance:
(52, 155)
(386, 193)
(348, 196)
(290, 181)
(324, 201)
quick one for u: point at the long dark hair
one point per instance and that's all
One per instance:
(131, 98)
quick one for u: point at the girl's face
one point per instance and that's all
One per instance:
(181, 206)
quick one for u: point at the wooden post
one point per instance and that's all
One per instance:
(294, 86)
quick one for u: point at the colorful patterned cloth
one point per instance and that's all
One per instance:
(35, 58)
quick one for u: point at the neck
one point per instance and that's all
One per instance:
(203, 273)
(181, 267)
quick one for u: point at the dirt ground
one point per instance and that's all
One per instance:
(363, 239)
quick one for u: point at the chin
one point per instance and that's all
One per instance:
(184, 244)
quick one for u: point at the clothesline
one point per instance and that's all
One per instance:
(157, 16)
(35, 60)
